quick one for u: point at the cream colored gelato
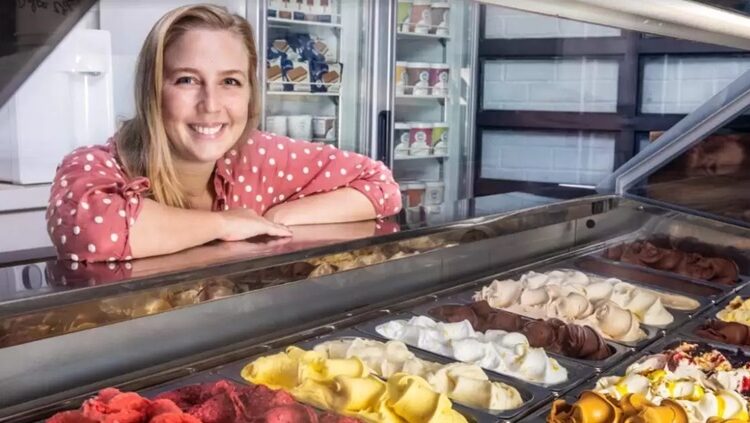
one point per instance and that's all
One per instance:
(738, 310)
(464, 383)
(503, 352)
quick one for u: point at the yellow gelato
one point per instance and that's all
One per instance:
(736, 311)
(465, 383)
(347, 387)
(633, 408)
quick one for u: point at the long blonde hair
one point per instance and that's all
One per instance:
(142, 141)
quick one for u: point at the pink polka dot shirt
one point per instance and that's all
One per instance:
(94, 203)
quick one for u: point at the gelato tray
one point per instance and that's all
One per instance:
(504, 353)
(727, 323)
(559, 339)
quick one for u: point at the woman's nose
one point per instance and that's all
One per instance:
(209, 101)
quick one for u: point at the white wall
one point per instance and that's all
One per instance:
(501, 22)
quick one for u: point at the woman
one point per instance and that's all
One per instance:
(191, 167)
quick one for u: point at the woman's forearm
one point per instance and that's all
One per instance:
(339, 206)
(160, 229)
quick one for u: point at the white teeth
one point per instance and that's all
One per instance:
(207, 130)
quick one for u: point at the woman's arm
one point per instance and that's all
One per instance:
(342, 205)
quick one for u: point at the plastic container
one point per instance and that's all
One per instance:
(440, 139)
(401, 136)
(420, 16)
(434, 193)
(403, 16)
(420, 138)
(419, 77)
(439, 14)
(402, 78)
(438, 79)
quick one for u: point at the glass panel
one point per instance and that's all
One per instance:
(711, 177)
(679, 84)
(565, 157)
(313, 90)
(555, 84)
(501, 22)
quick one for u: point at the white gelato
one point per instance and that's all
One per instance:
(503, 352)
(467, 384)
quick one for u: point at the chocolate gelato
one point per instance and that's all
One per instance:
(553, 335)
(693, 265)
(726, 332)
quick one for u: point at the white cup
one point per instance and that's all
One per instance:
(300, 127)
(276, 125)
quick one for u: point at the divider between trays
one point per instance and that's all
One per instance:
(577, 372)
(688, 331)
(618, 350)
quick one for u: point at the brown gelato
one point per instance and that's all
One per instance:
(595, 407)
(553, 335)
(727, 332)
(692, 265)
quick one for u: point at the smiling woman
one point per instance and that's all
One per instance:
(191, 167)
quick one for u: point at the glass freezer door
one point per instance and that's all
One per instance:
(314, 52)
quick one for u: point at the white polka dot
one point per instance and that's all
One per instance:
(87, 168)
(89, 185)
(90, 157)
(289, 177)
(134, 200)
(264, 179)
(228, 161)
(258, 198)
(382, 177)
(58, 203)
(367, 187)
(270, 190)
(76, 230)
(332, 157)
(108, 163)
(106, 201)
(63, 239)
(280, 146)
(274, 200)
(64, 183)
(272, 161)
(248, 188)
(111, 266)
(59, 221)
(236, 198)
(101, 172)
(343, 171)
(98, 219)
(396, 209)
(293, 156)
(302, 196)
(298, 189)
(73, 212)
(74, 257)
(128, 257)
(233, 152)
(241, 179)
(128, 266)
(132, 221)
(307, 151)
(70, 195)
(381, 201)
(280, 174)
(85, 205)
(346, 154)
(320, 163)
(121, 213)
(262, 151)
(328, 174)
(305, 170)
(114, 237)
(281, 197)
(359, 166)
(226, 206)
(111, 259)
(319, 148)
(255, 169)
(250, 142)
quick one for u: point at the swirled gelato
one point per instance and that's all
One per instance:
(738, 310)
(347, 387)
(464, 383)
(632, 408)
(693, 265)
(726, 332)
(503, 352)
(553, 335)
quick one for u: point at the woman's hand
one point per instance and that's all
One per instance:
(242, 224)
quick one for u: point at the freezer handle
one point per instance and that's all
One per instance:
(384, 137)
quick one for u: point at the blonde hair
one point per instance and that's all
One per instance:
(142, 141)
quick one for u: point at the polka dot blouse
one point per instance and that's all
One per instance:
(94, 203)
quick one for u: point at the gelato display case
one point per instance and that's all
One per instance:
(625, 304)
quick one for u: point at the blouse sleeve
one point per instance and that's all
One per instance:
(294, 169)
(93, 206)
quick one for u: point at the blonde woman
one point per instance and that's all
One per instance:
(191, 167)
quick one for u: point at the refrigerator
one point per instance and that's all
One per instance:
(392, 79)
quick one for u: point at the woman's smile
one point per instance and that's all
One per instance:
(207, 131)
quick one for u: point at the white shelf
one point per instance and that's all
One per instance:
(20, 197)
(301, 94)
(431, 156)
(415, 36)
(288, 22)
(421, 97)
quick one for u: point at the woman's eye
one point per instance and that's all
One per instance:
(232, 81)
(185, 80)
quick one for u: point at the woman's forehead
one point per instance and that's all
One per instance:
(207, 51)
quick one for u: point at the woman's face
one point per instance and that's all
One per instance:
(206, 94)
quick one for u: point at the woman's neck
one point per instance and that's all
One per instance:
(195, 179)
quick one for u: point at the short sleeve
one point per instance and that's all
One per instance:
(92, 206)
(294, 169)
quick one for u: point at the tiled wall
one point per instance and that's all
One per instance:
(570, 157)
(679, 84)
(501, 22)
(571, 85)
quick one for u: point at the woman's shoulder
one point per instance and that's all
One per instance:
(91, 153)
